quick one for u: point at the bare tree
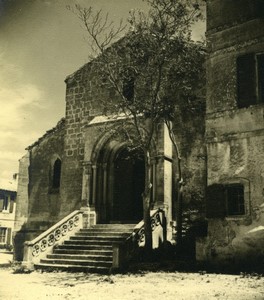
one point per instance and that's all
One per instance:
(150, 70)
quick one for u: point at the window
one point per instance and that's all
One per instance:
(128, 89)
(129, 85)
(225, 200)
(250, 79)
(2, 235)
(234, 195)
(56, 174)
(5, 203)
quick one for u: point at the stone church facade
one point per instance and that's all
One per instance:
(80, 164)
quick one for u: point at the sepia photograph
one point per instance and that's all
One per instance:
(132, 149)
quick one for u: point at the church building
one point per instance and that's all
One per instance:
(81, 173)
(79, 191)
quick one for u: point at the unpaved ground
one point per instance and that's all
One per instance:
(149, 285)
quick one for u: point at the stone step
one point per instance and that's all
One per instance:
(88, 250)
(71, 268)
(99, 237)
(81, 257)
(78, 262)
(84, 252)
(110, 228)
(103, 233)
(116, 225)
(89, 242)
(85, 247)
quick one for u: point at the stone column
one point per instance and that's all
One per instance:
(162, 175)
(159, 182)
(153, 179)
(86, 183)
(94, 176)
(104, 202)
(86, 192)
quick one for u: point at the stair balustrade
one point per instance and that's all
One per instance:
(125, 250)
(157, 226)
(76, 233)
(42, 245)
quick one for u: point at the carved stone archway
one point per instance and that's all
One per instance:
(103, 155)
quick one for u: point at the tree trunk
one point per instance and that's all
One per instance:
(179, 214)
(147, 206)
(179, 184)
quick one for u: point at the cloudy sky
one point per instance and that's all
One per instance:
(41, 42)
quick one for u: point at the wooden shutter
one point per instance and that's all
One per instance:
(9, 236)
(11, 207)
(215, 201)
(260, 60)
(246, 80)
(1, 204)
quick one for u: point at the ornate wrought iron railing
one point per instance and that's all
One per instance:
(43, 244)
(124, 251)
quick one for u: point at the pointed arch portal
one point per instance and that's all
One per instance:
(118, 183)
(114, 176)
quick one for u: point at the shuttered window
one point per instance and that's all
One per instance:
(225, 200)
(250, 79)
(215, 201)
(235, 199)
(11, 207)
(1, 204)
(260, 62)
(2, 235)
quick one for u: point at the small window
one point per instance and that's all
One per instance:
(56, 174)
(2, 235)
(5, 206)
(128, 89)
(129, 85)
(235, 199)
(250, 79)
(225, 200)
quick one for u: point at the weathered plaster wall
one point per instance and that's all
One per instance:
(21, 215)
(222, 14)
(235, 137)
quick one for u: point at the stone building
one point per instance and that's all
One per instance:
(7, 218)
(81, 165)
(235, 134)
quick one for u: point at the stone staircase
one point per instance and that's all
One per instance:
(88, 250)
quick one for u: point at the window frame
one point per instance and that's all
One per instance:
(228, 199)
(54, 188)
(4, 229)
(216, 199)
(254, 82)
(246, 186)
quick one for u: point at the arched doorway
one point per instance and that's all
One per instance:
(128, 186)
(118, 183)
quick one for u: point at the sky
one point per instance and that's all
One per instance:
(41, 43)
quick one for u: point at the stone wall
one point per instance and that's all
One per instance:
(21, 216)
(73, 141)
(44, 202)
(235, 137)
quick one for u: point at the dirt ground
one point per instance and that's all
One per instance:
(145, 285)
